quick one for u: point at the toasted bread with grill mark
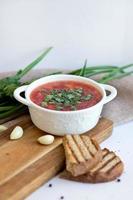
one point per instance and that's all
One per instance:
(82, 153)
(108, 169)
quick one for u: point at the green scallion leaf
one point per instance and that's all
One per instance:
(82, 72)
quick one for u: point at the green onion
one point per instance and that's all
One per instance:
(82, 72)
(9, 84)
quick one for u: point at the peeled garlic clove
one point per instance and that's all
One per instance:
(16, 133)
(46, 139)
(2, 128)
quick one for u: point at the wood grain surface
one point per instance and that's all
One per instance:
(25, 164)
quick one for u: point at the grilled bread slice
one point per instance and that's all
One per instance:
(108, 169)
(82, 154)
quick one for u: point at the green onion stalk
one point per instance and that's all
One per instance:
(8, 105)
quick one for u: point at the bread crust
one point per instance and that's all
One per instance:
(87, 161)
(98, 176)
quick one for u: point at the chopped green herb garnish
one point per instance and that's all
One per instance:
(59, 107)
(88, 97)
(44, 104)
(65, 98)
(48, 98)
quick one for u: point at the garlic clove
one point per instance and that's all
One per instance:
(46, 139)
(16, 133)
(2, 128)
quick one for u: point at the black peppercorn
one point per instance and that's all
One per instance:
(50, 185)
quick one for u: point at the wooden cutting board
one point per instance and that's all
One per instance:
(25, 164)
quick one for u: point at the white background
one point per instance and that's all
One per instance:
(100, 30)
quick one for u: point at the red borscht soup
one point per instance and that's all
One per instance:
(66, 95)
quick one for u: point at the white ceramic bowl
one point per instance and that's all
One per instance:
(64, 122)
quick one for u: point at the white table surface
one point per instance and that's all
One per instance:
(122, 143)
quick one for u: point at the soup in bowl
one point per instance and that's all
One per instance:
(66, 95)
(65, 104)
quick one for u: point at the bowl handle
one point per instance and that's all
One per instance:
(112, 90)
(18, 97)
